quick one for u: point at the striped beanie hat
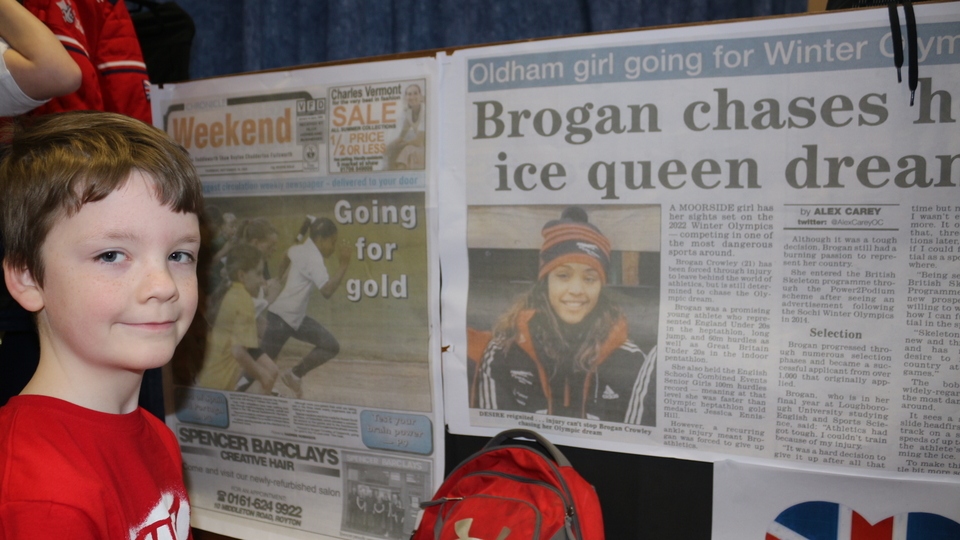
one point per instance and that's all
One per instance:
(573, 239)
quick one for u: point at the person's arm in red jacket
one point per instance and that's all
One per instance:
(37, 61)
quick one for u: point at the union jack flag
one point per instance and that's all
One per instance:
(819, 520)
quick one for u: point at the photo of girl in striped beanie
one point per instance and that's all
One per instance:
(564, 347)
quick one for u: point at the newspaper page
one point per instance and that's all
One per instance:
(732, 239)
(306, 403)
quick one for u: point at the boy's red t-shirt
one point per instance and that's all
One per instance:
(70, 472)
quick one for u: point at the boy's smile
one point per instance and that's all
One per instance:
(120, 282)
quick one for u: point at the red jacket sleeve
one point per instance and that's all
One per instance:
(101, 39)
(119, 61)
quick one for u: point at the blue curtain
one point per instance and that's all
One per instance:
(236, 36)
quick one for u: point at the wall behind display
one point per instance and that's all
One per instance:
(236, 36)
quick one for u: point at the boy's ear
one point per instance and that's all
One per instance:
(23, 288)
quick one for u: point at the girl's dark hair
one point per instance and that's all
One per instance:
(256, 229)
(313, 227)
(213, 215)
(242, 258)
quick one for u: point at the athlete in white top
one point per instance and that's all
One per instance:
(306, 269)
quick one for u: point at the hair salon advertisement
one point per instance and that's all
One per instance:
(307, 400)
(701, 242)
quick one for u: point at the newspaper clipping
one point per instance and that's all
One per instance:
(318, 295)
(738, 239)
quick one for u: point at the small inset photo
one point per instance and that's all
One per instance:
(563, 310)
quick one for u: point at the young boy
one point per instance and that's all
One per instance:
(100, 223)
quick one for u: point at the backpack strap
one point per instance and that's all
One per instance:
(504, 437)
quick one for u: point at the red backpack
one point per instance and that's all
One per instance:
(513, 491)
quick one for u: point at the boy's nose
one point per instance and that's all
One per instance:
(159, 283)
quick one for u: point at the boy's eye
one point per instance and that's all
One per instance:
(110, 256)
(181, 257)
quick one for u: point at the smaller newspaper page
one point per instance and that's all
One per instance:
(307, 397)
(751, 500)
(737, 239)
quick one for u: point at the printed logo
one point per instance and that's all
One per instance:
(169, 520)
(589, 249)
(311, 106)
(69, 15)
(462, 528)
(824, 520)
(522, 377)
(608, 393)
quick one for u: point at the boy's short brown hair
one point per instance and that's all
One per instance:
(55, 164)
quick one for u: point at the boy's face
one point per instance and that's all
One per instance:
(120, 285)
